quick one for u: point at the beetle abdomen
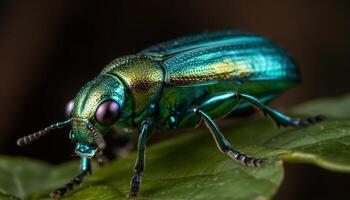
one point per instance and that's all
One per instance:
(222, 56)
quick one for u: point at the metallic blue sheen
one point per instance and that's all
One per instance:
(85, 150)
(85, 164)
(202, 69)
(265, 59)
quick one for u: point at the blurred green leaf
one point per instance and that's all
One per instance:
(7, 197)
(22, 176)
(191, 167)
(333, 107)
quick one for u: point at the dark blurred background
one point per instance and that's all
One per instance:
(49, 49)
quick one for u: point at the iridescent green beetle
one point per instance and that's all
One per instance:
(175, 85)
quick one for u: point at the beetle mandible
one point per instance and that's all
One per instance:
(175, 85)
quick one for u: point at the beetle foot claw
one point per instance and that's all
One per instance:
(135, 185)
(56, 195)
(134, 191)
(308, 121)
(250, 161)
(300, 122)
(246, 160)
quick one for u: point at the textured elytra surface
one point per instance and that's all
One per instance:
(223, 55)
(191, 167)
(187, 43)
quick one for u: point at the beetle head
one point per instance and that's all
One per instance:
(97, 106)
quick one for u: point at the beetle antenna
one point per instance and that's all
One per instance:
(35, 136)
(101, 143)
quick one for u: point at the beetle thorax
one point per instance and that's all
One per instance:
(143, 77)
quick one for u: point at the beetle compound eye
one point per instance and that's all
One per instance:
(69, 108)
(107, 112)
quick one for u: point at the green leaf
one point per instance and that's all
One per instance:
(191, 166)
(7, 197)
(333, 107)
(22, 176)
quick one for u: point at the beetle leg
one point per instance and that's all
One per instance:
(225, 146)
(102, 160)
(146, 130)
(85, 168)
(279, 118)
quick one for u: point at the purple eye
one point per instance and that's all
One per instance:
(69, 108)
(107, 112)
